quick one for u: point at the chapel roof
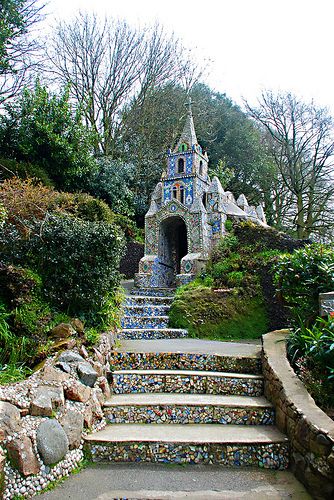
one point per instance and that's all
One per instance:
(188, 135)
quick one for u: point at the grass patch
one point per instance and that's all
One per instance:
(210, 315)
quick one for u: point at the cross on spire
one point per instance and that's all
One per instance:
(188, 135)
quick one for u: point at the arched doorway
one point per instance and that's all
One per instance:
(173, 247)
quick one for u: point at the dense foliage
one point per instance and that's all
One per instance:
(302, 275)
(311, 351)
(44, 129)
(235, 297)
(60, 256)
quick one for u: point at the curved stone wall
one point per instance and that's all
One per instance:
(310, 430)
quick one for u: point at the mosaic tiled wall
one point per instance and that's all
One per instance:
(189, 414)
(184, 361)
(267, 456)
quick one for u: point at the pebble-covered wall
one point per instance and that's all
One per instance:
(309, 429)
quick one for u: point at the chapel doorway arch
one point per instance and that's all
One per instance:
(173, 246)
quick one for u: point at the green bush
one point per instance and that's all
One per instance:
(91, 209)
(302, 275)
(311, 352)
(235, 278)
(13, 348)
(78, 261)
(228, 225)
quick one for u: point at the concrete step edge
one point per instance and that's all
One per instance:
(190, 434)
(164, 399)
(189, 373)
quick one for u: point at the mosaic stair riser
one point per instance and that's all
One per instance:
(144, 322)
(146, 310)
(173, 414)
(184, 361)
(141, 300)
(149, 334)
(153, 292)
(267, 456)
(196, 384)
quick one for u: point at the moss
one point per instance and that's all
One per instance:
(208, 314)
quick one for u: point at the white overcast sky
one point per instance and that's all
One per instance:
(253, 44)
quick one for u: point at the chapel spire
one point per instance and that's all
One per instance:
(188, 135)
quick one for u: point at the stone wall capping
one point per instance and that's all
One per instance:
(309, 429)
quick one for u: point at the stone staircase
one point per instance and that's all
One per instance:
(146, 315)
(181, 400)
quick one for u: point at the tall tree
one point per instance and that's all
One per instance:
(107, 64)
(45, 129)
(19, 46)
(301, 140)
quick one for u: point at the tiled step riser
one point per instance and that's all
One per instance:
(153, 292)
(268, 456)
(149, 334)
(146, 310)
(153, 301)
(172, 414)
(145, 322)
(197, 384)
(184, 361)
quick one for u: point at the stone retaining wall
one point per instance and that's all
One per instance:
(309, 429)
(44, 418)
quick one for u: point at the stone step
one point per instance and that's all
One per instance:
(154, 292)
(188, 409)
(226, 445)
(147, 300)
(149, 334)
(182, 381)
(147, 322)
(187, 354)
(146, 310)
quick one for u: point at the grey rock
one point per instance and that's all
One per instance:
(9, 418)
(70, 357)
(322, 439)
(52, 441)
(87, 374)
(65, 367)
(72, 423)
(41, 406)
(47, 399)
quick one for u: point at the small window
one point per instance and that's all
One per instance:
(204, 200)
(174, 192)
(201, 168)
(180, 166)
(181, 194)
(183, 147)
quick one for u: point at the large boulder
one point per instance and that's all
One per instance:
(76, 391)
(9, 418)
(51, 374)
(41, 405)
(72, 423)
(87, 374)
(47, 398)
(22, 456)
(78, 325)
(62, 331)
(70, 357)
(52, 441)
